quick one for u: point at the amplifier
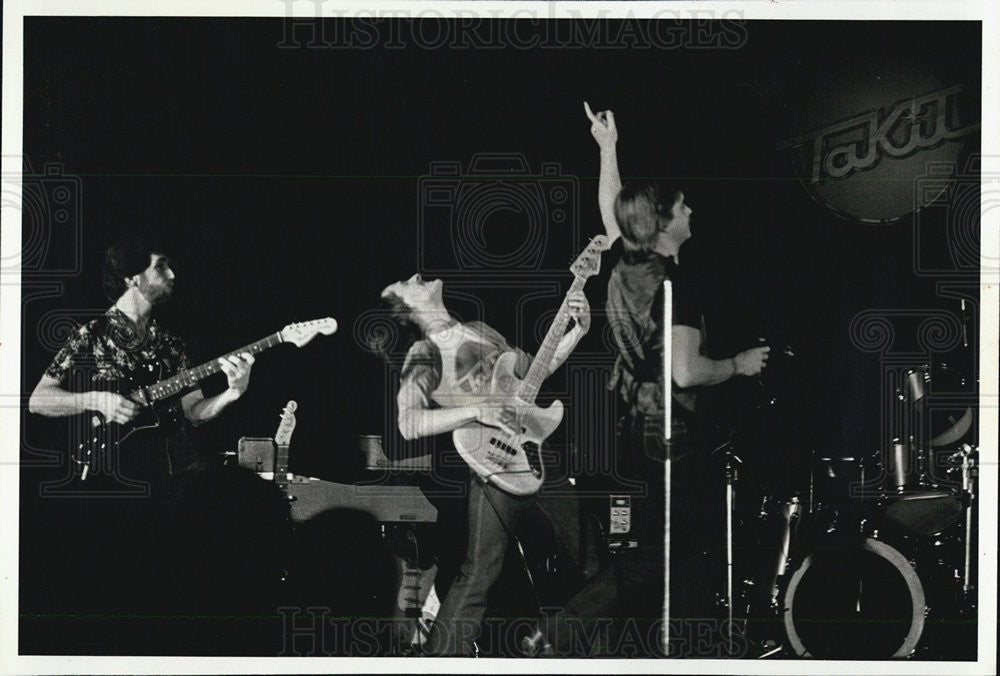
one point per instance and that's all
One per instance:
(312, 497)
(620, 517)
(373, 457)
(256, 454)
(620, 524)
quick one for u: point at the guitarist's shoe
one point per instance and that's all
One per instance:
(536, 645)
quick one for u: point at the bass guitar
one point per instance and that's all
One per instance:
(100, 437)
(512, 462)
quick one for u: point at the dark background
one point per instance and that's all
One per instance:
(286, 184)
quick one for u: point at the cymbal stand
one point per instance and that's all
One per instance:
(968, 493)
(790, 513)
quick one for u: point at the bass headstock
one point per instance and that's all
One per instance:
(588, 263)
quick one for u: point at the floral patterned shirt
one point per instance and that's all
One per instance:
(110, 349)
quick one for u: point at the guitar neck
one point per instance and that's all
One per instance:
(540, 366)
(191, 377)
(281, 468)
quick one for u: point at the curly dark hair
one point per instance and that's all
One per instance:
(124, 259)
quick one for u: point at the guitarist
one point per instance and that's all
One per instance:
(158, 538)
(126, 339)
(445, 376)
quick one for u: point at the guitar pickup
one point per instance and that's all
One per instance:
(507, 448)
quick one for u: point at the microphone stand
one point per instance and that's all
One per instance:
(667, 461)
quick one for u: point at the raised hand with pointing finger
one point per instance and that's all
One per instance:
(602, 127)
(605, 132)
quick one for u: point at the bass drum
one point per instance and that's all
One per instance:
(854, 598)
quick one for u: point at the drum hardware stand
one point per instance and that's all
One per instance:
(812, 480)
(771, 651)
(898, 465)
(922, 477)
(789, 515)
(968, 493)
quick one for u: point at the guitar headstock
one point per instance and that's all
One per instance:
(301, 333)
(588, 263)
(287, 424)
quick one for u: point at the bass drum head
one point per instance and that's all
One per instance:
(856, 599)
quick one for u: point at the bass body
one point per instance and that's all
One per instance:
(510, 461)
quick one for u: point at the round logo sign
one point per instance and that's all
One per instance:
(869, 131)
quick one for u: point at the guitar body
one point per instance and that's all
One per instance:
(93, 437)
(513, 463)
(98, 443)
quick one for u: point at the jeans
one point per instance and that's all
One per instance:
(492, 512)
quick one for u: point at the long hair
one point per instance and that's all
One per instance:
(384, 345)
(643, 209)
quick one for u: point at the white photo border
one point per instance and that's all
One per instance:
(10, 322)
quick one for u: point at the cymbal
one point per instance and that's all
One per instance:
(955, 432)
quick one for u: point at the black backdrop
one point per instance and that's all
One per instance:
(286, 183)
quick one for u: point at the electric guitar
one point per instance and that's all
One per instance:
(100, 437)
(512, 462)
(282, 438)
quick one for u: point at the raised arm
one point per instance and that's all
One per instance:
(604, 131)
(198, 409)
(579, 311)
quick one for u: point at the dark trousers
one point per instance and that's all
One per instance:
(492, 515)
(619, 612)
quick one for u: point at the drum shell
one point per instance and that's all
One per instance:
(918, 513)
(854, 598)
(917, 593)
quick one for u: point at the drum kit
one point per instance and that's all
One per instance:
(877, 559)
